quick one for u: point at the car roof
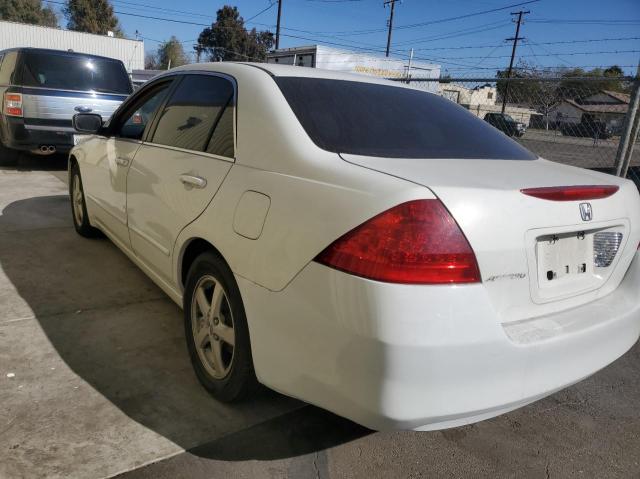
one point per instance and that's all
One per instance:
(275, 70)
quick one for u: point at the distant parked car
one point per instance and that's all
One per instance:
(41, 91)
(376, 250)
(506, 124)
(587, 128)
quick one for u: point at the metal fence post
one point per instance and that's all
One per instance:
(630, 132)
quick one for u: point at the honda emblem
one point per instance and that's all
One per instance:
(585, 211)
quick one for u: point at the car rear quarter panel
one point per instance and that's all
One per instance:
(315, 196)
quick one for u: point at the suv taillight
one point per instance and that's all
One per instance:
(13, 104)
(417, 242)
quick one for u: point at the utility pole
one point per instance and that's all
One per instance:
(278, 24)
(513, 54)
(390, 22)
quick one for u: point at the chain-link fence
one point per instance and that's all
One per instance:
(576, 121)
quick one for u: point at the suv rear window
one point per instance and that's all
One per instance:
(74, 72)
(387, 121)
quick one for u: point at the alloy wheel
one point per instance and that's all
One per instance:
(212, 327)
(78, 211)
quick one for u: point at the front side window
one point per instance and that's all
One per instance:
(370, 119)
(135, 121)
(199, 116)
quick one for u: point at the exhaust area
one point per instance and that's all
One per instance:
(45, 150)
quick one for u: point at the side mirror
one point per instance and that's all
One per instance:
(87, 122)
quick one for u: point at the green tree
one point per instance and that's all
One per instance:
(604, 79)
(92, 16)
(170, 54)
(228, 40)
(543, 88)
(519, 91)
(28, 11)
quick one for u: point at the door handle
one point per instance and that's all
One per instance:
(195, 181)
(122, 161)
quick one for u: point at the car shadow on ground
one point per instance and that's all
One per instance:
(31, 162)
(117, 331)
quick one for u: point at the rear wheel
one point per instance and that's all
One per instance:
(78, 205)
(216, 330)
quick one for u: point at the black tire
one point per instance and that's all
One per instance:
(79, 207)
(8, 157)
(239, 381)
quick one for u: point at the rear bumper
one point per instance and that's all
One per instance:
(412, 357)
(18, 136)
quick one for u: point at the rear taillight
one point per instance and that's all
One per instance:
(417, 242)
(571, 193)
(13, 104)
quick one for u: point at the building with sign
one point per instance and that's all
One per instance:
(320, 56)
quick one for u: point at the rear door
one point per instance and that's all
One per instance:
(178, 170)
(105, 171)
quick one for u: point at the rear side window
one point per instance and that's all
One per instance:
(74, 72)
(199, 116)
(387, 121)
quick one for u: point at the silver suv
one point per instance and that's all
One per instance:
(42, 89)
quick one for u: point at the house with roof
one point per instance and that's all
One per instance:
(481, 100)
(609, 107)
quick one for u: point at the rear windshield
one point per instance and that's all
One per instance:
(379, 120)
(74, 72)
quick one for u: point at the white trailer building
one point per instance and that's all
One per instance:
(131, 52)
(320, 56)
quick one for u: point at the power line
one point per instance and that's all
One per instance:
(376, 49)
(542, 54)
(553, 54)
(458, 33)
(433, 22)
(599, 21)
(484, 12)
(497, 67)
(168, 10)
(271, 5)
(473, 47)
(589, 41)
(165, 41)
(526, 41)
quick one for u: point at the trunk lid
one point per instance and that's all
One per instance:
(536, 256)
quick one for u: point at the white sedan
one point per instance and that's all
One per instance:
(362, 245)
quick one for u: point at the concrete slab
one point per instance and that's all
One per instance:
(94, 373)
(95, 381)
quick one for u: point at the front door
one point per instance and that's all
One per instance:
(180, 167)
(106, 172)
